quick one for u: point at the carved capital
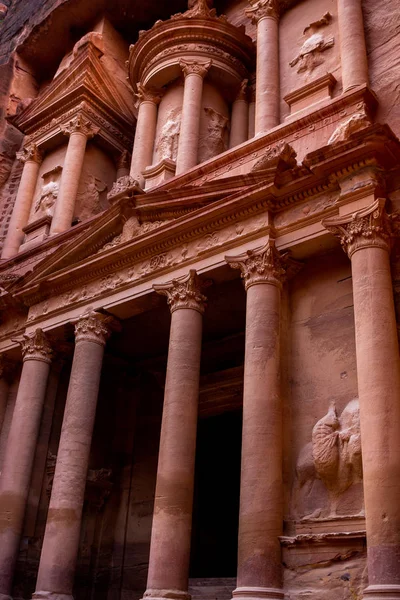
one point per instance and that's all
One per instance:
(195, 68)
(243, 91)
(80, 124)
(30, 153)
(145, 94)
(184, 292)
(261, 9)
(94, 327)
(35, 346)
(262, 265)
(366, 228)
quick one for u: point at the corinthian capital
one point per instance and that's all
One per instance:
(30, 153)
(94, 327)
(148, 94)
(184, 292)
(196, 68)
(80, 124)
(261, 9)
(366, 228)
(262, 265)
(35, 346)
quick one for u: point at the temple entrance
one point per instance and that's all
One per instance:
(216, 497)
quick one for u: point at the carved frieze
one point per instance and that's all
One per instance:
(185, 292)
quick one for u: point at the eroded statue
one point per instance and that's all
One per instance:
(167, 144)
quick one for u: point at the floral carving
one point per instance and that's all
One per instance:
(122, 185)
(369, 227)
(35, 346)
(30, 153)
(145, 94)
(261, 9)
(79, 124)
(262, 265)
(195, 68)
(94, 327)
(185, 292)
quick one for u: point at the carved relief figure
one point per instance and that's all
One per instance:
(356, 122)
(89, 202)
(44, 204)
(214, 142)
(309, 55)
(167, 144)
(333, 456)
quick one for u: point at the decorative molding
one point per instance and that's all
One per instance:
(261, 9)
(281, 152)
(30, 153)
(262, 265)
(148, 94)
(367, 228)
(80, 124)
(35, 346)
(184, 292)
(195, 68)
(94, 327)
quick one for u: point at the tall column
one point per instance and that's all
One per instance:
(259, 574)
(4, 389)
(240, 117)
(194, 73)
(32, 159)
(252, 111)
(353, 52)
(142, 154)
(265, 14)
(123, 164)
(20, 451)
(172, 517)
(61, 539)
(365, 236)
(80, 130)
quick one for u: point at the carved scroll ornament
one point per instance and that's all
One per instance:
(30, 153)
(94, 327)
(261, 9)
(80, 124)
(35, 346)
(185, 292)
(262, 265)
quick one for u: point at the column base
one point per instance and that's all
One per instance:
(257, 593)
(382, 592)
(162, 594)
(42, 595)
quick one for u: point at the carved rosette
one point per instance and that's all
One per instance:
(145, 94)
(195, 68)
(30, 153)
(366, 228)
(94, 327)
(261, 9)
(35, 346)
(185, 292)
(80, 124)
(262, 265)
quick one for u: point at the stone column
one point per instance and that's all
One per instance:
(80, 130)
(194, 73)
(20, 451)
(32, 159)
(252, 111)
(123, 164)
(172, 516)
(259, 573)
(365, 236)
(142, 154)
(265, 14)
(240, 117)
(4, 389)
(61, 539)
(353, 52)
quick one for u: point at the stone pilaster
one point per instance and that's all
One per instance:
(20, 450)
(194, 73)
(259, 573)
(61, 539)
(80, 130)
(172, 517)
(353, 52)
(32, 158)
(365, 236)
(265, 14)
(142, 154)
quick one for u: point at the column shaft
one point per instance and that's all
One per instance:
(19, 455)
(239, 122)
(267, 82)
(142, 155)
(352, 44)
(22, 207)
(4, 389)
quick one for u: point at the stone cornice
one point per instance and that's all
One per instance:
(185, 292)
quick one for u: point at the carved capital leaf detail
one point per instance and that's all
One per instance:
(261, 9)
(262, 265)
(243, 90)
(148, 94)
(30, 153)
(185, 292)
(35, 346)
(366, 228)
(79, 124)
(196, 68)
(94, 327)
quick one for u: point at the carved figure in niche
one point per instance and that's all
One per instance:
(214, 142)
(167, 144)
(89, 201)
(356, 122)
(44, 204)
(309, 55)
(333, 456)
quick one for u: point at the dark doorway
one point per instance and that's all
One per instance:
(216, 498)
